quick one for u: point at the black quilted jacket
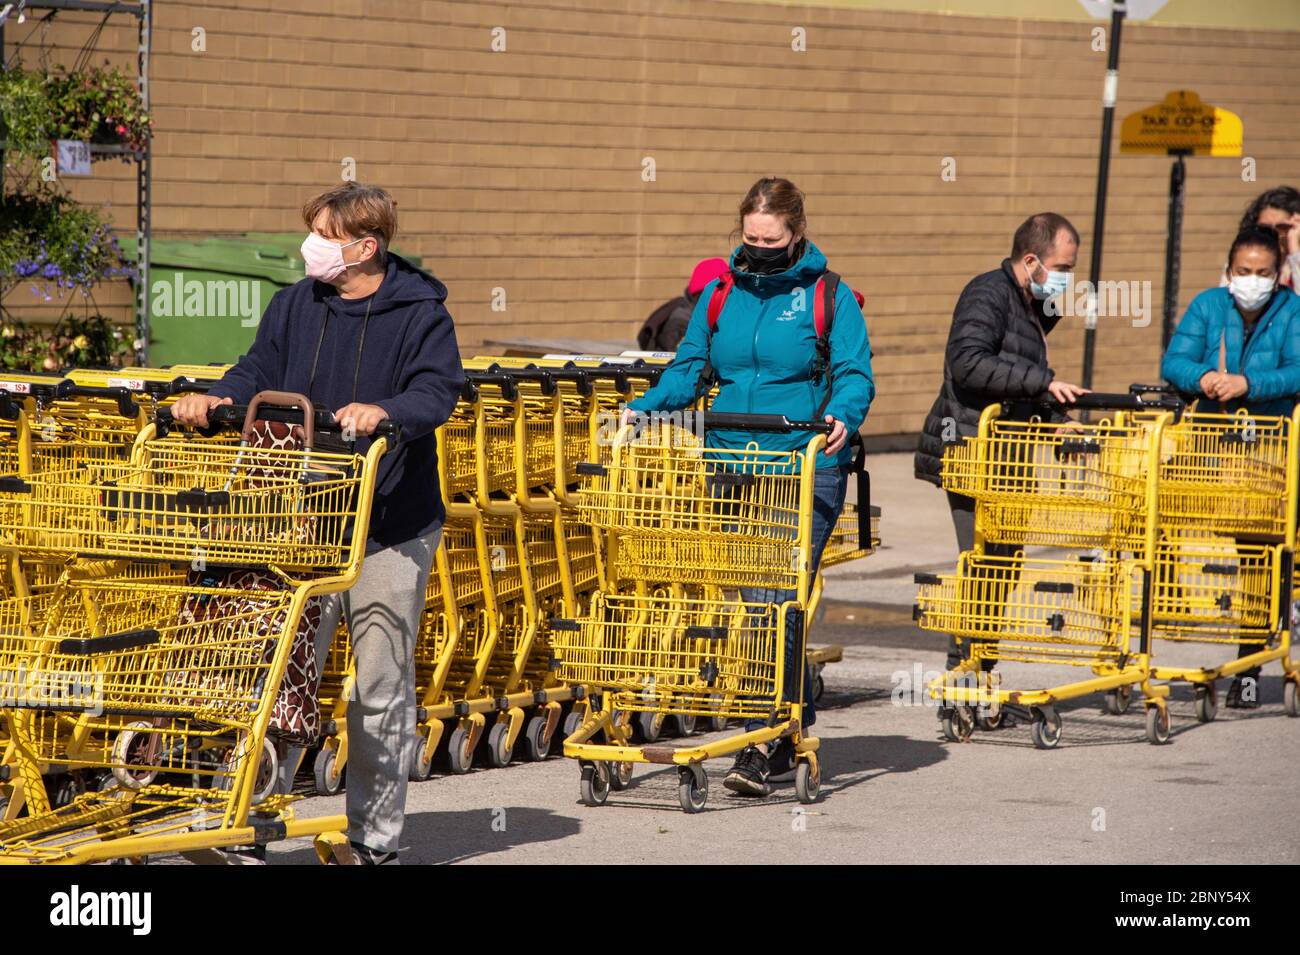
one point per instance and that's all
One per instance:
(997, 350)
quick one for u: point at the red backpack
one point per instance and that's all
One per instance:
(824, 293)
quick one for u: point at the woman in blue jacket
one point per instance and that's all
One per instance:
(763, 353)
(1255, 325)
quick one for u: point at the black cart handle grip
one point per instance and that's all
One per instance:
(777, 423)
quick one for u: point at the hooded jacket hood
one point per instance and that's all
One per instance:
(404, 284)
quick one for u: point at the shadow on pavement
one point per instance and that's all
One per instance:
(435, 838)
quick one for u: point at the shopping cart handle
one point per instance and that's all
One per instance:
(198, 499)
(504, 382)
(12, 484)
(390, 431)
(727, 421)
(126, 407)
(113, 642)
(10, 407)
(187, 386)
(1053, 587)
(1152, 390)
(573, 373)
(539, 375)
(1077, 446)
(1100, 400)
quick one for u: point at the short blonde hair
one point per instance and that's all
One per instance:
(355, 211)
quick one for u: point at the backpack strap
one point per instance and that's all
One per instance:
(824, 293)
(717, 301)
(726, 282)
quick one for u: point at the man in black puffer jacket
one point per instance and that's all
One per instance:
(997, 351)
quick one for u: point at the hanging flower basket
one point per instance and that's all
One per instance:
(99, 105)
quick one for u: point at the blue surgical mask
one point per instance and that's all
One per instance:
(1056, 284)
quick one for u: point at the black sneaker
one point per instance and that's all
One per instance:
(1234, 698)
(780, 764)
(748, 776)
(364, 855)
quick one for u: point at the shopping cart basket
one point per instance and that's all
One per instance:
(710, 519)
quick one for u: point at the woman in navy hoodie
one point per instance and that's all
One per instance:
(367, 336)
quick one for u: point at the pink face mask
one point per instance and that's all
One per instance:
(323, 259)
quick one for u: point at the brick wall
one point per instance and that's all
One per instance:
(523, 169)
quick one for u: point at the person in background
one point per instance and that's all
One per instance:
(367, 336)
(1279, 210)
(1254, 323)
(667, 323)
(997, 351)
(764, 356)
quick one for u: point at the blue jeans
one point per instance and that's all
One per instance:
(828, 502)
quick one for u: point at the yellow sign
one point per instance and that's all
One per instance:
(1182, 123)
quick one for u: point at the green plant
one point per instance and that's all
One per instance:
(91, 341)
(55, 244)
(93, 105)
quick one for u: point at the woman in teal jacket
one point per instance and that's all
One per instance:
(763, 353)
(1254, 322)
(1255, 325)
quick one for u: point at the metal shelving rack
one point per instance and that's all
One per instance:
(142, 10)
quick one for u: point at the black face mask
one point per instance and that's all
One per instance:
(763, 261)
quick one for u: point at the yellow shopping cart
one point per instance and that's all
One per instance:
(708, 523)
(183, 677)
(1065, 485)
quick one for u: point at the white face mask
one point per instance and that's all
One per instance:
(1251, 291)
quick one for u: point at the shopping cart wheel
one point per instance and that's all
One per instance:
(571, 723)
(620, 776)
(1289, 699)
(593, 787)
(683, 725)
(421, 768)
(958, 723)
(458, 752)
(807, 782)
(692, 788)
(131, 746)
(1118, 699)
(988, 717)
(536, 746)
(651, 726)
(1158, 725)
(500, 750)
(1207, 703)
(268, 771)
(718, 723)
(66, 788)
(327, 783)
(1046, 727)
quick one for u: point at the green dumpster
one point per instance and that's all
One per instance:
(207, 296)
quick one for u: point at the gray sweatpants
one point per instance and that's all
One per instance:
(383, 611)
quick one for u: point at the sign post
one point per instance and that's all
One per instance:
(1116, 11)
(1180, 126)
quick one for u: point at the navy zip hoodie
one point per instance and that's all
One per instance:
(408, 364)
